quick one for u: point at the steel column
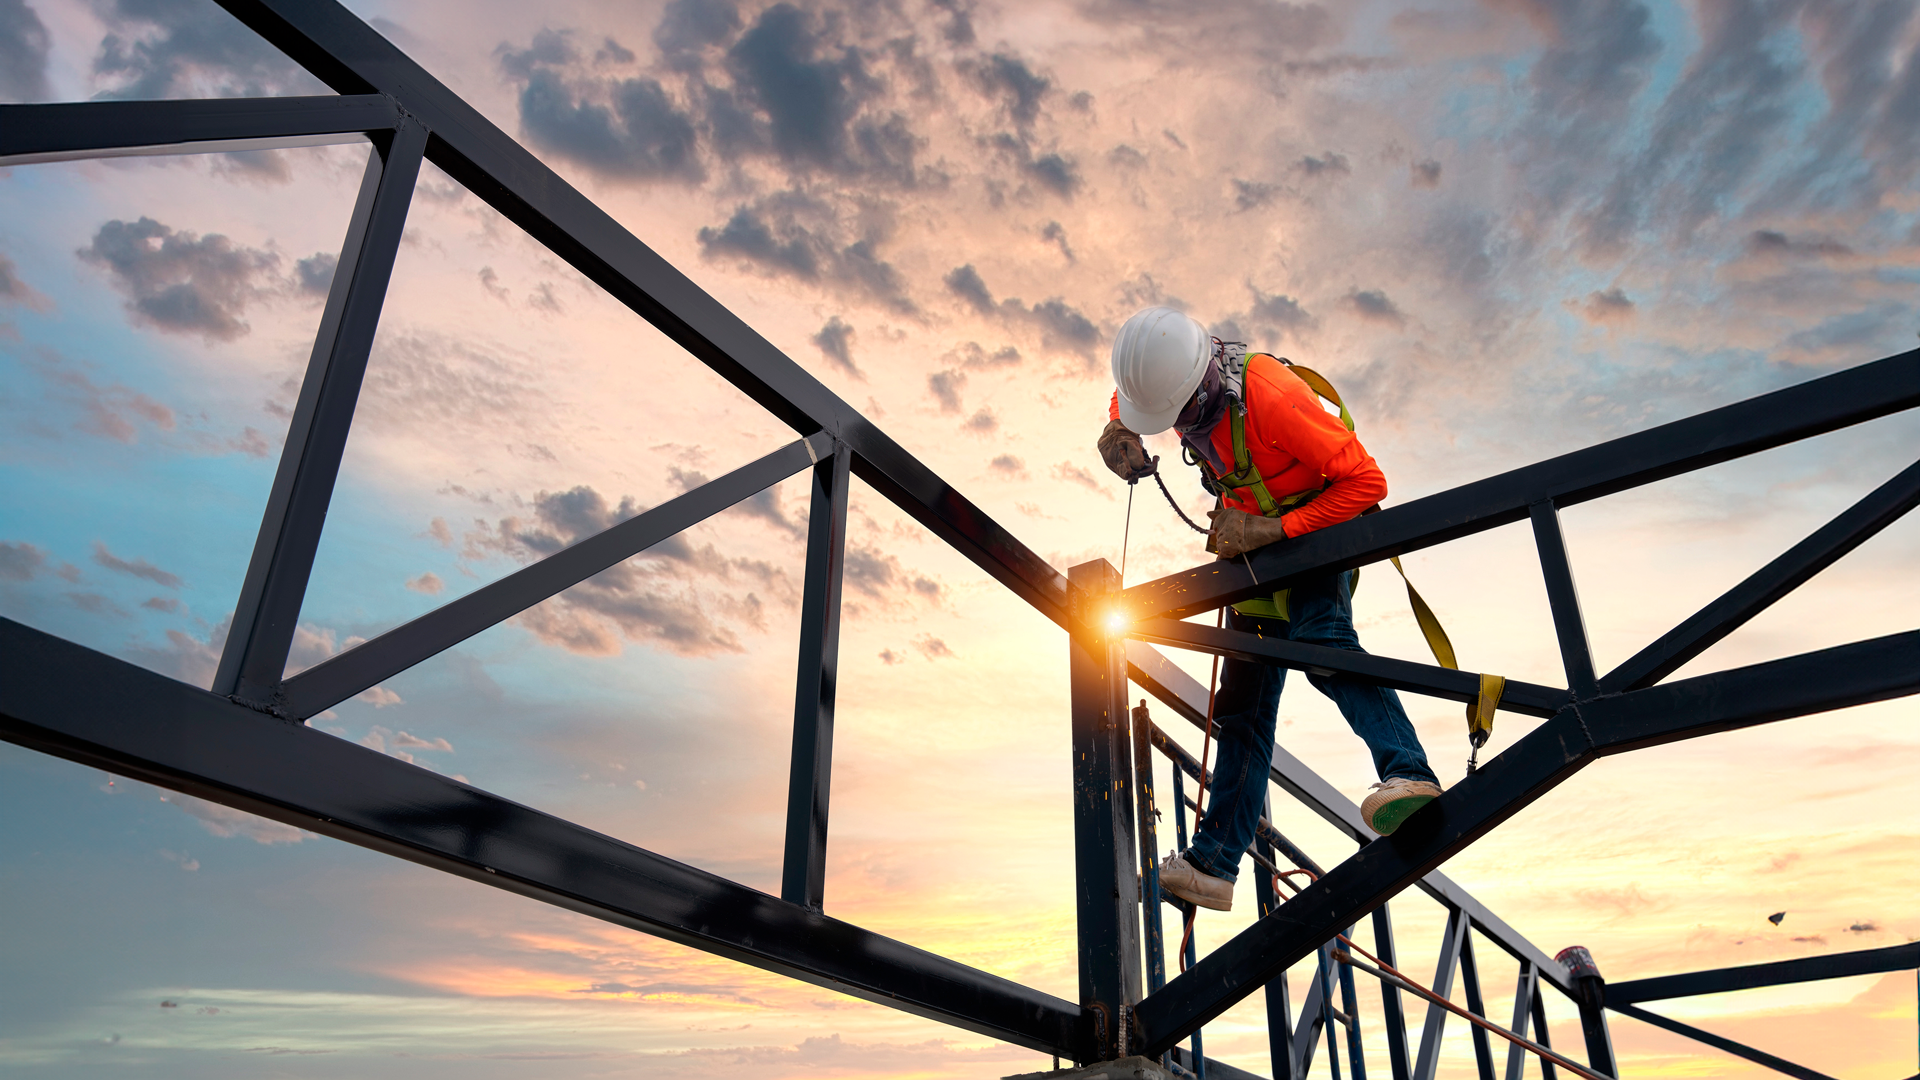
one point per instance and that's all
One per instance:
(1541, 1035)
(1105, 884)
(1189, 948)
(1429, 1060)
(1156, 953)
(1590, 994)
(1350, 1000)
(255, 657)
(1576, 655)
(803, 878)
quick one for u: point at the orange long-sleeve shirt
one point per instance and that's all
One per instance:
(1297, 445)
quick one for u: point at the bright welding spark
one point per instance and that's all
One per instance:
(1117, 622)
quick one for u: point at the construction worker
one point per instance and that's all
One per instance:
(1283, 465)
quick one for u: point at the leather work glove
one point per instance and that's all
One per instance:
(1236, 532)
(1124, 453)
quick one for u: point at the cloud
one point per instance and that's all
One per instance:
(794, 234)
(689, 25)
(689, 600)
(1279, 310)
(314, 274)
(1062, 327)
(1009, 467)
(627, 128)
(24, 562)
(1056, 234)
(982, 422)
(15, 291)
(1610, 308)
(1253, 194)
(1867, 927)
(1008, 80)
(889, 657)
(113, 411)
(1074, 474)
(965, 282)
(945, 387)
(23, 53)
(96, 604)
(184, 657)
(1768, 244)
(972, 357)
(879, 576)
(167, 604)
(1374, 306)
(1328, 164)
(226, 822)
(1424, 173)
(179, 281)
(139, 568)
(413, 742)
(428, 583)
(835, 342)
(933, 648)
(190, 48)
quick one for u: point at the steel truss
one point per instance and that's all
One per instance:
(245, 743)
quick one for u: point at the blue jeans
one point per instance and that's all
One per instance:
(1247, 705)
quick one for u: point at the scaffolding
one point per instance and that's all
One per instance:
(246, 745)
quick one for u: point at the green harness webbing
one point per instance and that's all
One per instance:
(1246, 475)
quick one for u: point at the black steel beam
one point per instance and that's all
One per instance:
(1476, 1004)
(1777, 973)
(255, 657)
(1392, 1012)
(340, 677)
(1737, 1049)
(32, 134)
(1451, 942)
(1520, 697)
(1759, 423)
(353, 58)
(1813, 682)
(1855, 526)
(1182, 693)
(1523, 993)
(72, 702)
(803, 877)
(1106, 884)
(1569, 626)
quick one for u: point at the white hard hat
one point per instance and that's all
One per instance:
(1159, 358)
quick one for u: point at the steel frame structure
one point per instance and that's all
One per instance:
(245, 743)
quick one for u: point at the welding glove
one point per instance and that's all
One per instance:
(1124, 453)
(1236, 532)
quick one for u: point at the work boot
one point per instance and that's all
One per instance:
(1393, 800)
(1182, 879)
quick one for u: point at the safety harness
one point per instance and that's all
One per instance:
(1246, 476)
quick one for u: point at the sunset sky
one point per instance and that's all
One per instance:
(1505, 229)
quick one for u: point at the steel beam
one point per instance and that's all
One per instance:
(1476, 1004)
(1777, 973)
(1188, 699)
(1576, 655)
(338, 678)
(1464, 686)
(134, 723)
(1541, 1033)
(1149, 810)
(353, 58)
(1106, 887)
(1451, 942)
(803, 878)
(1523, 995)
(35, 134)
(1267, 897)
(1760, 423)
(255, 657)
(1392, 1013)
(1856, 525)
(1813, 682)
(1718, 1042)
